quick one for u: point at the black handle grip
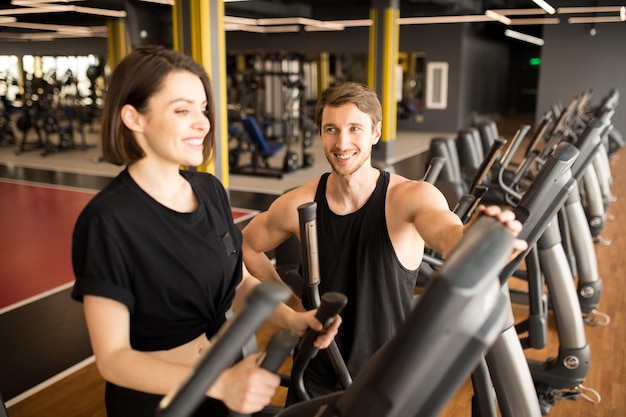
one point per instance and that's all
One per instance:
(307, 212)
(224, 350)
(331, 305)
(280, 346)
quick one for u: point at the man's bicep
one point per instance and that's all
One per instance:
(265, 232)
(434, 221)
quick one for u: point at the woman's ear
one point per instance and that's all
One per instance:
(131, 118)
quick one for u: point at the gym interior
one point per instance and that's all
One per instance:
(491, 87)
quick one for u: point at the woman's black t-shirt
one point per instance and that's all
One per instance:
(176, 272)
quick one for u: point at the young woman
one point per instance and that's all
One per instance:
(156, 254)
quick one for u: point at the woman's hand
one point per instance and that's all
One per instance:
(246, 388)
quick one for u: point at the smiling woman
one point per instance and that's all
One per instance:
(156, 253)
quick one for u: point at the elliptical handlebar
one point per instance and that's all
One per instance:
(434, 169)
(307, 214)
(332, 303)
(224, 349)
(279, 347)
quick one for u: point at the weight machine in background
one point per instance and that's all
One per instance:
(268, 115)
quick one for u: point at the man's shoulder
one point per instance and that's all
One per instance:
(302, 193)
(399, 182)
(404, 191)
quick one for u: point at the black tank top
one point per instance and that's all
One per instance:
(357, 259)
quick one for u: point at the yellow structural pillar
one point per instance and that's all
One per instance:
(323, 72)
(382, 71)
(118, 44)
(198, 28)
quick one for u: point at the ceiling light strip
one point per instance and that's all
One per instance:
(287, 21)
(261, 29)
(51, 8)
(537, 21)
(99, 12)
(167, 2)
(38, 2)
(518, 12)
(497, 16)
(545, 6)
(58, 8)
(42, 26)
(599, 9)
(323, 28)
(353, 23)
(523, 37)
(240, 20)
(442, 19)
(606, 19)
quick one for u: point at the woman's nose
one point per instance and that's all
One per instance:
(202, 121)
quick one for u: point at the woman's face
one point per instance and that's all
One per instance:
(175, 125)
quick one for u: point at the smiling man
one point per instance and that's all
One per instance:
(371, 226)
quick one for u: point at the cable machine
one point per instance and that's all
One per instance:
(267, 114)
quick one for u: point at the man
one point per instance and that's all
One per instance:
(371, 226)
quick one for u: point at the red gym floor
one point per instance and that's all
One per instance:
(36, 223)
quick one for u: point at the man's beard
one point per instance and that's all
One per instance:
(359, 163)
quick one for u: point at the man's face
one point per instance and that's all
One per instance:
(347, 136)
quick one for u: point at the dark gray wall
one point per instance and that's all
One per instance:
(478, 83)
(473, 62)
(477, 73)
(573, 60)
(485, 78)
(438, 42)
(354, 40)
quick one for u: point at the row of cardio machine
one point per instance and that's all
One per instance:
(561, 271)
(462, 324)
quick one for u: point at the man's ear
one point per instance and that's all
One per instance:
(377, 132)
(131, 118)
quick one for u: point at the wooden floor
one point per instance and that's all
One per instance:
(81, 394)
